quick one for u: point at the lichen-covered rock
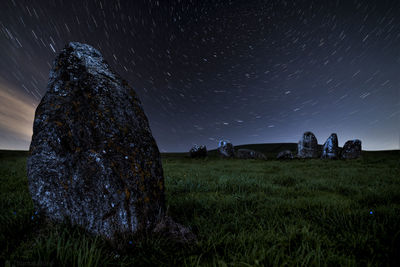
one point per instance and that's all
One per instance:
(308, 146)
(330, 150)
(286, 154)
(226, 149)
(351, 149)
(249, 154)
(198, 151)
(93, 160)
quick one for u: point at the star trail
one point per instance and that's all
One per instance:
(244, 71)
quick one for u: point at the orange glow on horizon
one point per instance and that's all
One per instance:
(17, 113)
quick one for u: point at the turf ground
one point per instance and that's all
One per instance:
(244, 213)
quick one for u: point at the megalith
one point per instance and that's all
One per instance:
(93, 160)
(308, 146)
(330, 150)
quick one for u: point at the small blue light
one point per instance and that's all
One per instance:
(371, 212)
(36, 212)
(14, 213)
(130, 242)
(32, 217)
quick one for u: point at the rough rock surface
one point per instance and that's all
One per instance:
(330, 150)
(351, 149)
(173, 231)
(286, 154)
(93, 160)
(249, 154)
(198, 151)
(308, 146)
(226, 149)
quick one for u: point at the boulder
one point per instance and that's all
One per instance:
(249, 154)
(286, 154)
(308, 146)
(225, 149)
(198, 151)
(93, 160)
(351, 149)
(330, 150)
(170, 230)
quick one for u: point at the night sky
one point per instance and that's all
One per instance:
(245, 71)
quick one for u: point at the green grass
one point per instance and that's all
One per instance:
(244, 213)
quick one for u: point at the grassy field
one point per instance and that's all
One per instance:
(244, 213)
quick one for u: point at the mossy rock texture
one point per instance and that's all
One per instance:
(93, 160)
(308, 146)
(352, 149)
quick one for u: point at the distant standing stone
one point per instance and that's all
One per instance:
(286, 154)
(249, 154)
(198, 151)
(330, 150)
(351, 149)
(93, 159)
(308, 146)
(226, 149)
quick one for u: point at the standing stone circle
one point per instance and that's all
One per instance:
(93, 160)
(330, 150)
(308, 146)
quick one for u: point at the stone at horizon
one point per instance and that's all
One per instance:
(352, 149)
(330, 150)
(198, 151)
(286, 154)
(226, 149)
(249, 154)
(308, 146)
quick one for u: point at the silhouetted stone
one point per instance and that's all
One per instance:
(308, 146)
(351, 149)
(286, 154)
(198, 151)
(225, 149)
(330, 150)
(249, 154)
(93, 160)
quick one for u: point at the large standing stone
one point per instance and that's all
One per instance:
(286, 154)
(249, 154)
(93, 160)
(330, 150)
(308, 146)
(198, 151)
(226, 149)
(351, 149)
